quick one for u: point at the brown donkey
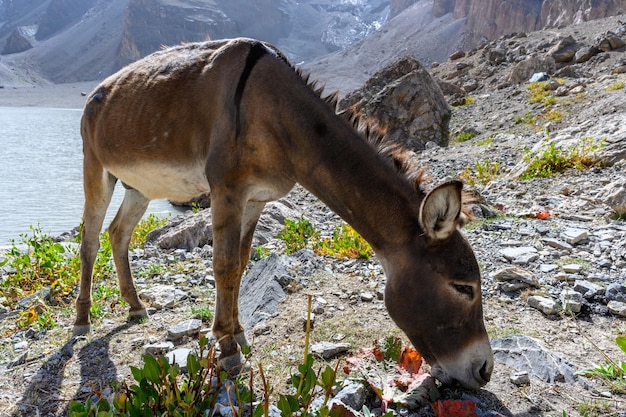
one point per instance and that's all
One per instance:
(233, 117)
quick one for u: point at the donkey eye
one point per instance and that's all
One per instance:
(466, 290)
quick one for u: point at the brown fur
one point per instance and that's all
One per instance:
(235, 119)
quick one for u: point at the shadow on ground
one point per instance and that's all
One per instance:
(44, 396)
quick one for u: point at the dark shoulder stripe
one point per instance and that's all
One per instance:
(256, 52)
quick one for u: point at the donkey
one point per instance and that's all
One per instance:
(234, 118)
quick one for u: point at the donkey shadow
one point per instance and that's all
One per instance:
(44, 396)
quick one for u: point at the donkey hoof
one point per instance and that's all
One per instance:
(233, 364)
(81, 329)
(138, 315)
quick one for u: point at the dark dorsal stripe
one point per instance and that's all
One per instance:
(256, 52)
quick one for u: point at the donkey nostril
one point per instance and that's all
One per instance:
(485, 372)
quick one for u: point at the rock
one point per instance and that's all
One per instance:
(189, 327)
(157, 349)
(585, 53)
(526, 278)
(524, 70)
(367, 297)
(571, 300)
(610, 41)
(179, 356)
(564, 50)
(588, 289)
(263, 287)
(556, 243)
(574, 236)
(546, 305)
(538, 77)
(21, 39)
(525, 354)
(520, 378)
(615, 197)
(329, 350)
(405, 99)
(572, 268)
(162, 296)
(188, 231)
(449, 89)
(616, 292)
(513, 253)
(272, 220)
(455, 55)
(617, 307)
(353, 395)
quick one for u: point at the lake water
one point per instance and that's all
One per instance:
(41, 173)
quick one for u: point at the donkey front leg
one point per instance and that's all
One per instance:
(121, 229)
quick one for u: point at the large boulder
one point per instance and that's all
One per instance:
(404, 99)
(523, 70)
(21, 39)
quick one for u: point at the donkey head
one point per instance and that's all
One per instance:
(433, 293)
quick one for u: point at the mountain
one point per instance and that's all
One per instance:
(77, 40)
(342, 42)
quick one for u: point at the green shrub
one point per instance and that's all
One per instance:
(483, 173)
(465, 136)
(296, 234)
(345, 243)
(44, 263)
(552, 159)
(162, 389)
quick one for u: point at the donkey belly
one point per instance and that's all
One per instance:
(156, 181)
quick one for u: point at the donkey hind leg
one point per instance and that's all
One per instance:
(250, 219)
(121, 229)
(99, 186)
(230, 228)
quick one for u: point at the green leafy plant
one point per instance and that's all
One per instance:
(162, 390)
(259, 253)
(205, 313)
(296, 234)
(553, 159)
(43, 263)
(344, 243)
(483, 173)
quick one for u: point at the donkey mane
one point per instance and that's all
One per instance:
(392, 153)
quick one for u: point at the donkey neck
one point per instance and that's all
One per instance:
(347, 174)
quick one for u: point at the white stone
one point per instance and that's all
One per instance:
(618, 308)
(514, 253)
(573, 236)
(572, 268)
(546, 305)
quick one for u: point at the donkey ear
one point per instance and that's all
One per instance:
(440, 210)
